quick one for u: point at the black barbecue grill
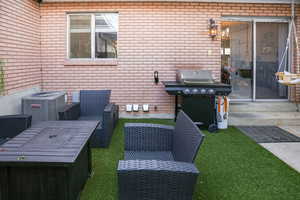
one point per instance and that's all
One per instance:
(198, 91)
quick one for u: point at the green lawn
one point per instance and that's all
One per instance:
(232, 167)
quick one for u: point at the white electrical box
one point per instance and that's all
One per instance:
(128, 108)
(146, 107)
(135, 107)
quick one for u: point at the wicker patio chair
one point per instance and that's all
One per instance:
(12, 125)
(159, 161)
(94, 105)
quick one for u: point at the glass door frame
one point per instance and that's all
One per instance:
(255, 20)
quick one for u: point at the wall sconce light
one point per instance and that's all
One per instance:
(156, 78)
(213, 29)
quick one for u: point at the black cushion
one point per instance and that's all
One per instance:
(3, 140)
(149, 155)
(91, 118)
(93, 102)
(12, 125)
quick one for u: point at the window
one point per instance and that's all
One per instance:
(93, 36)
(106, 35)
(80, 36)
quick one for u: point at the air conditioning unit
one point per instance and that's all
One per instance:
(43, 106)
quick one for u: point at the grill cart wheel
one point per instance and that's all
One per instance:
(212, 128)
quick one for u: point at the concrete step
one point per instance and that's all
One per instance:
(264, 118)
(262, 107)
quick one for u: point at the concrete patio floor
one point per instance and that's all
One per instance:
(289, 152)
(263, 114)
(292, 129)
(282, 114)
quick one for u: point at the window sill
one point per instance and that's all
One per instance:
(103, 62)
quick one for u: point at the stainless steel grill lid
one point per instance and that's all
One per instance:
(194, 77)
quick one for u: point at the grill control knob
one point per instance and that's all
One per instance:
(187, 91)
(195, 91)
(203, 91)
(211, 91)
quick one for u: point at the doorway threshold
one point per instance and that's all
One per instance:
(262, 106)
(243, 101)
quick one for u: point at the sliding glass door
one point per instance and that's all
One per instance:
(237, 58)
(270, 45)
(251, 53)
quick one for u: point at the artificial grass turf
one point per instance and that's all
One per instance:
(232, 167)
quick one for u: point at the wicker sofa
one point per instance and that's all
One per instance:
(159, 161)
(94, 105)
(12, 125)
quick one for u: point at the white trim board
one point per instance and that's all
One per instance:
(213, 1)
(256, 19)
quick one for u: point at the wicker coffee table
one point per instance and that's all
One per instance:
(51, 160)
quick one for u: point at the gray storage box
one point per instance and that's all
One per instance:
(43, 106)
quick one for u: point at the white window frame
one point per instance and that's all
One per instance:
(93, 29)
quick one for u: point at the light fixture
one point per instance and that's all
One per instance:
(213, 29)
(156, 78)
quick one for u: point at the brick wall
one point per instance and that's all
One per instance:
(152, 36)
(20, 44)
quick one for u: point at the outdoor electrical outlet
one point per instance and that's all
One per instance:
(128, 108)
(135, 107)
(146, 107)
(155, 108)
